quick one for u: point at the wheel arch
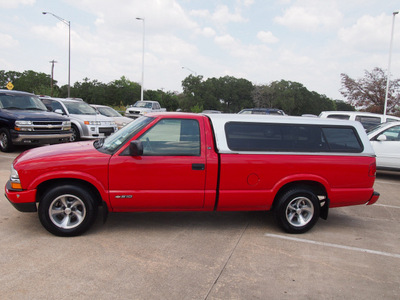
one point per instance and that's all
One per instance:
(316, 187)
(46, 185)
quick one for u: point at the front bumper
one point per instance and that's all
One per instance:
(24, 201)
(19, 138)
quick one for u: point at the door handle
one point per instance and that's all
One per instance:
(198, 167)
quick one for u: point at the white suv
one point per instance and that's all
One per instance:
(368, 120)
(86, 123)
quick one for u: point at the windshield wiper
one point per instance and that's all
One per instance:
(34, 108)
(12, 107)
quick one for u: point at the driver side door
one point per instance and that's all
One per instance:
(169, 175)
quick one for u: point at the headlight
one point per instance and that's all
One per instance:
(92, 123)
(66, 125)
(14, 179)
(23, 125)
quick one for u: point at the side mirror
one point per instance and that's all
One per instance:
(381, 138)
(136, 148)
(58, 111)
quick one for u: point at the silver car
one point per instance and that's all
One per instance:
(110, 112)
(86, 123)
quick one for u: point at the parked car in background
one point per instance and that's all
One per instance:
(211, 111)
(86, 123)
(24, 120)
(141, 108)
(110, 112)
(385, 140)
(262, 111)
(368, 120)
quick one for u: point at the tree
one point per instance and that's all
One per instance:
(28, 81)
(368, 93)
(291, 97)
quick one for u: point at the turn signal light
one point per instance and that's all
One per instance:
(16, 186)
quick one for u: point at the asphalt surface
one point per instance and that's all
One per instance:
(355, 254)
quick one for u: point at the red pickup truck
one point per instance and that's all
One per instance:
(298, 167)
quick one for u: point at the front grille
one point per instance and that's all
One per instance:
(47, 126)
(106, 130)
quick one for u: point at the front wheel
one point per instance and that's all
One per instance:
(75, 134)
(297, 210)
(6, 144)
(67, 210)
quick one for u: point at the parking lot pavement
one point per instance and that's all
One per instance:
(241, 255)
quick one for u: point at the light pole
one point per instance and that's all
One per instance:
(388, 72)
(141, 90)
(52, 73)
(68, 23)
(195, 74)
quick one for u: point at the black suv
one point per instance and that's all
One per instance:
(24, 120)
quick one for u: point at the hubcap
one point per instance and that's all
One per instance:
(300, 211)
(3, 140)
(67, 211)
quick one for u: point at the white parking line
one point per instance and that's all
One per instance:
(386, 182)
(332, 245)
(385, 205)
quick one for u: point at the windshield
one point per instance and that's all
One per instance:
(142, 104)
(375, 128)
(108, 111)
(79, 108)
(119, 138)
(23, 102)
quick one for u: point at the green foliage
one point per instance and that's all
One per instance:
(227, 94)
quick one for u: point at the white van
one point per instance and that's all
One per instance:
(368, 120)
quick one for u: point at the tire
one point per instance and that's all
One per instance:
(67, 210)
(297, 210)
(6, 144)
(75, 134)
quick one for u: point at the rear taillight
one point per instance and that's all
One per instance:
(372, 170)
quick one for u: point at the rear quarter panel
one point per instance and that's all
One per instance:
(251, 181)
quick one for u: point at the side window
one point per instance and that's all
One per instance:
(342, 139)
(368, 121)
(341, 117)
(172, 137)
(274, 137)
(291, 138)
(53, 105)
(392, 134)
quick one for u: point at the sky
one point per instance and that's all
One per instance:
(307, 41)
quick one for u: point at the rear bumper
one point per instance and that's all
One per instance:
(374, 198)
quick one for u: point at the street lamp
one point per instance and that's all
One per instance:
(68, 23)
(195, 74)
(388, 72)
(141, 90)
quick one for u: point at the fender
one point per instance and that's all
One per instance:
(103, 190)
(301, 177)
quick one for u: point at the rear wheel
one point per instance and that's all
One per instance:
(297, 210)
(67, 210)
(5, 140)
